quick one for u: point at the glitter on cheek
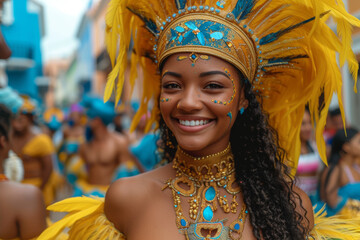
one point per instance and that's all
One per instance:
(163, 100)
(234, 91)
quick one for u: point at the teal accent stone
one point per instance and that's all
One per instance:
(183, 222)
(237, 226)
(208, 213)
(210, 194)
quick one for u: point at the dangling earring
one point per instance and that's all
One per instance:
(242, 110)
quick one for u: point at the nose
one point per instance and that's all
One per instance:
(190, 101)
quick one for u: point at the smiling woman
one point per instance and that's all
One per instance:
(229, 82)
(201, 100)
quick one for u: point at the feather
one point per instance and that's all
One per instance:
(335, 227)
(73, 204)
(149, 24)
(110, 83)
(275, 36)
(180, 4)
(243, 8)
(85, 220)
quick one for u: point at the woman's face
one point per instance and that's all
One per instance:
(199, 101)
(306, 127)
(21, 122)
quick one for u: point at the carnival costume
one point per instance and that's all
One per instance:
(37, 147)
(284, 49)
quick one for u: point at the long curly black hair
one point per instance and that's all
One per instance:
(260, 171)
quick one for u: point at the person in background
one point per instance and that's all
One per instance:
(340, 182)
(334, 123)
(145, 148)
(310, 164)
(103, 152)
(13, 166)
(73, 132)
(22, 208)
(34, 148)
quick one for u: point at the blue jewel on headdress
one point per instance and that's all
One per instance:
(174, 15)
(217, 35)
(189, 8)
(212, 9)
(201, 7)
(164, 23)
(179, 29)
(194, 7)
(220, 4)
(206, 7)
(245, 26)
(217, 11)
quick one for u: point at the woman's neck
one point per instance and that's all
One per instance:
(214, 167)
(348, 159)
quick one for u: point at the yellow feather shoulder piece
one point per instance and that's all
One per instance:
(85, 220)
(335, 227)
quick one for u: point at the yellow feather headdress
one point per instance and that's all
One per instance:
(284, 48)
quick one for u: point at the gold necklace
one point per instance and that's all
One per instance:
(200, 180)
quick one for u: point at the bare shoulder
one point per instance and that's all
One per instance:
(127, 197)
(25, 196)
(304, 208)
(30, 194)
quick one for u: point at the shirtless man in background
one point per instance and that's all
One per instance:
(104, 151)
(22, 209)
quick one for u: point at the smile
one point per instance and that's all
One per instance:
(193, 123)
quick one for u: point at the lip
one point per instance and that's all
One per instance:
(192, 129)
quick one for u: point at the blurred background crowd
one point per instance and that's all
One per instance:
(58, 134)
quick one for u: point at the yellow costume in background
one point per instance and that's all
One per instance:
(41, 146)
(283, 48)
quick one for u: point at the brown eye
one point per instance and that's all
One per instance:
(213, 86)
(171, 86)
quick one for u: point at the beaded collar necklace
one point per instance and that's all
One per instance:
(207, 182)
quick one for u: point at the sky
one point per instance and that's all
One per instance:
(62, 19)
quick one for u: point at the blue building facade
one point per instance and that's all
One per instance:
(23, 36)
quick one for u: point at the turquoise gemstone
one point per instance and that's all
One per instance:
(208, 213)
(237, 226)
(210, 194)
(183, 222)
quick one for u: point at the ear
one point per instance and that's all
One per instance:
(244, 103)
(346, 147)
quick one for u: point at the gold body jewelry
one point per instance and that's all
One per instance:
(209, 184)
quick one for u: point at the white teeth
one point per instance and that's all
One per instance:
(193, 123)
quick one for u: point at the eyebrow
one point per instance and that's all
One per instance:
(205, 74)
(177, 75)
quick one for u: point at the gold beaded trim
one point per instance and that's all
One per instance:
(225, 151)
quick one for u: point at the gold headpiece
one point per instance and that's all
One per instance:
(285, 49)
(28, 106)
